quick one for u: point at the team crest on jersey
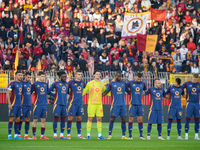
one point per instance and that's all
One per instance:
(66, 85)
(190, 85)
(160, 90)
(44, 84)
(56, 114)
(81, 83)
(141, 85)
(75, 84)
(122, 84)
(114, 85)
(25, 85)
(180, 89)
(17, 85)
(133, 84)
(197, 86)
(113, 114)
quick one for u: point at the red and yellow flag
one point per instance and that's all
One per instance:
(16, 60)
(158, 15)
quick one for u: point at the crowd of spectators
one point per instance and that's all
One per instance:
(58, 34)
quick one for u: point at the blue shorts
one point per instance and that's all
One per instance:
(26, 110)
(39, 112)
(59, 110)
(75, 110)
(116, 111)
(136, 110)
(175, 112)
(15, 112)
(192, 109)
(155, 116)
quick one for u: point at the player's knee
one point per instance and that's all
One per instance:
(131, 119)
(11, 119)
(188, 118)
(140, 119)
(99, 119)
(79, 118)
(90, 119)
(112, 119)
(43, 120)
(17, 119)
(70, 118)
(27, 119)
(123, 119)
(196, 119)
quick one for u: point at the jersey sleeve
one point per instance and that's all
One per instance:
(145, 87)
(129, 84)
(183, 92)
(168, 90)
(164, 93)
(11, 86)
(86, 89)
(148, 91)
(51, 89)
(32, 88)
(126, 87)
(108, 89)
(184, 85)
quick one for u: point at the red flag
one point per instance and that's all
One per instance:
(141, 39)
(158, 15)
(21, 37)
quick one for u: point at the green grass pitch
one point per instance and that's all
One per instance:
(94, 143)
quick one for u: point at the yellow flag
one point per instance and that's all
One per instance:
(39, 66)
(151, 41)
(16, 60)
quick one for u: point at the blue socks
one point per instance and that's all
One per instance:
(123, 126)
(10, 127)
(179, 127)
(149, 129)
(16, 127)
(140, 127)
(55, 121)
(159, 128)
(78, 126)
(196, 126)
(42, 131)
(130, 128)
(20, 127)
(187, 121)
(169, 125)
(62, 124)
(111, 124)
(69, 124)
(27, 127)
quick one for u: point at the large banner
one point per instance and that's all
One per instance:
(158, 15)
(134, 23)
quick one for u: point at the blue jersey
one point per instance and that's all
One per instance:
(156, 98)
(192, 91)
(16, 95)
(75, 91)
(26, 93)
(175, 96)
(136, 89)
(117, 92)
(61, 91)
(41, 89)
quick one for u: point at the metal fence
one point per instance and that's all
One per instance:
(148, 78)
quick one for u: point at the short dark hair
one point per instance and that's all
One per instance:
(118, 72)
(97, 71)
(18, 71)
(79, 71)
(61, 72)
(178, 80)
(41, 73)
(139, 74)
(28, 73)
(195, 75)
(156, 80)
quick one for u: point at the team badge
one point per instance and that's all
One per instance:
(56, 114)
(81, 83)
(25, 85)
(133, 84)
(114, 85)
(44, 84)
(180, 89)
(190, 85)
(113, 114)
(160, 90)
(197, 86)
(122, 84)
(141, 85)
(75, 84)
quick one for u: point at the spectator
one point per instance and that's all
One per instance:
(136, 67)
(3, 33)
(103, 58)
(178, 59)
(161, 66)
(106, 67)
(195, 68)
(82, 63)
(115, 66)
(186, 68)
(190, 45)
